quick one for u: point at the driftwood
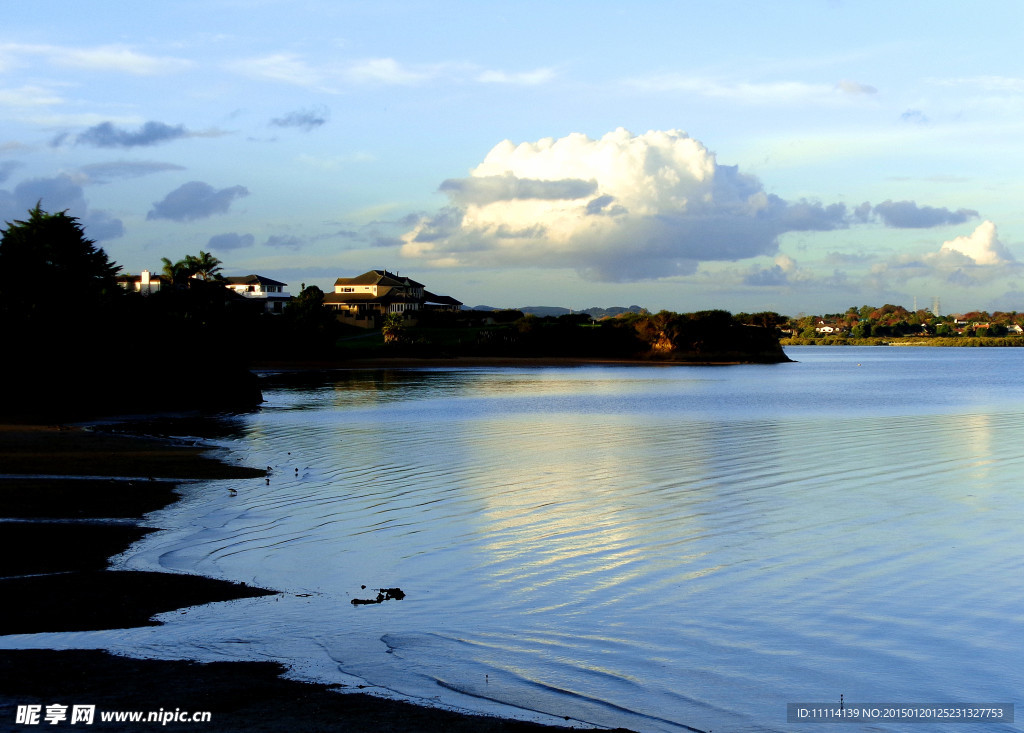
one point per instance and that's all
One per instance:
(383, 594)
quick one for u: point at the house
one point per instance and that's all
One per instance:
(364, 300)
(259, 288)
(144, 283)
(826, 328)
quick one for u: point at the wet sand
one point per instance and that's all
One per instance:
(53, 577)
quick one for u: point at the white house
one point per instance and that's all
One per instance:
(257, 287)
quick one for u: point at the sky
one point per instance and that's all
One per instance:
(801, 157)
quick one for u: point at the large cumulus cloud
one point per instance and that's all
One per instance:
(964, 261)
(623, 207)
(981, 247)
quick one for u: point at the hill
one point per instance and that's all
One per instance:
(553, 310)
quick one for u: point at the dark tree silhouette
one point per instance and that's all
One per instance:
(76, 345)
(47, 258)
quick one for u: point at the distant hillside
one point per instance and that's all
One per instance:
(553, 310)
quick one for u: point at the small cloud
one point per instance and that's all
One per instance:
(522, 78)
(908, 215)
(305, 120)
(853, 87)
(914, 117)
(107, 135)
(999, 84)
(231, 240)
(387, 71)
(98, 58)
(195, 200)
(284, 241)
(29, 97)
(745, 92)
(286, 68)
(119, 170)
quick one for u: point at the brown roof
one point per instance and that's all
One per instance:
(252, 280)
(378, 277)
(441, 299)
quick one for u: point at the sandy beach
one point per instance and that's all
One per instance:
(56, 541)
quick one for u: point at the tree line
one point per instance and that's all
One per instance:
(894, 321)
(82, 344)
(78, 344)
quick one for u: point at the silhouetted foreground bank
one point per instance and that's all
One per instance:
(81, 381)
(52, 563)
(242, 697)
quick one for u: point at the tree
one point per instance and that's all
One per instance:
(47, 256)
(862, 330)
(205, 266)
(176, 272)
(393, 328)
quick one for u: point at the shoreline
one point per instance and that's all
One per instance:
(503, 362)
(72, 498)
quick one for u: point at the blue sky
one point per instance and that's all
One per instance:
(801, 156)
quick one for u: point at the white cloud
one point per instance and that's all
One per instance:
(281, 67)
(330, 76)
(974, 260)
(387, 71)
(982, 246)
(99, 58)
(1003, 84)
(524, 78)
(779, 92)
(28, 96)
(623, 207)
(855, 87)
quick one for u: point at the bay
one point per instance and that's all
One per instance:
(658, 548)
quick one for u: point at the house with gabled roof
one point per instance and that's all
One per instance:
(259, 288)
(365, 299)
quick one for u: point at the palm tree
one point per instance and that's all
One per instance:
(205, 266)
(176, 272)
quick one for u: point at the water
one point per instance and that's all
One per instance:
(649, 547)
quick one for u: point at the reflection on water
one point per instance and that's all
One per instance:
(651, 548)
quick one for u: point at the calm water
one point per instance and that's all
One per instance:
(644, 547)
